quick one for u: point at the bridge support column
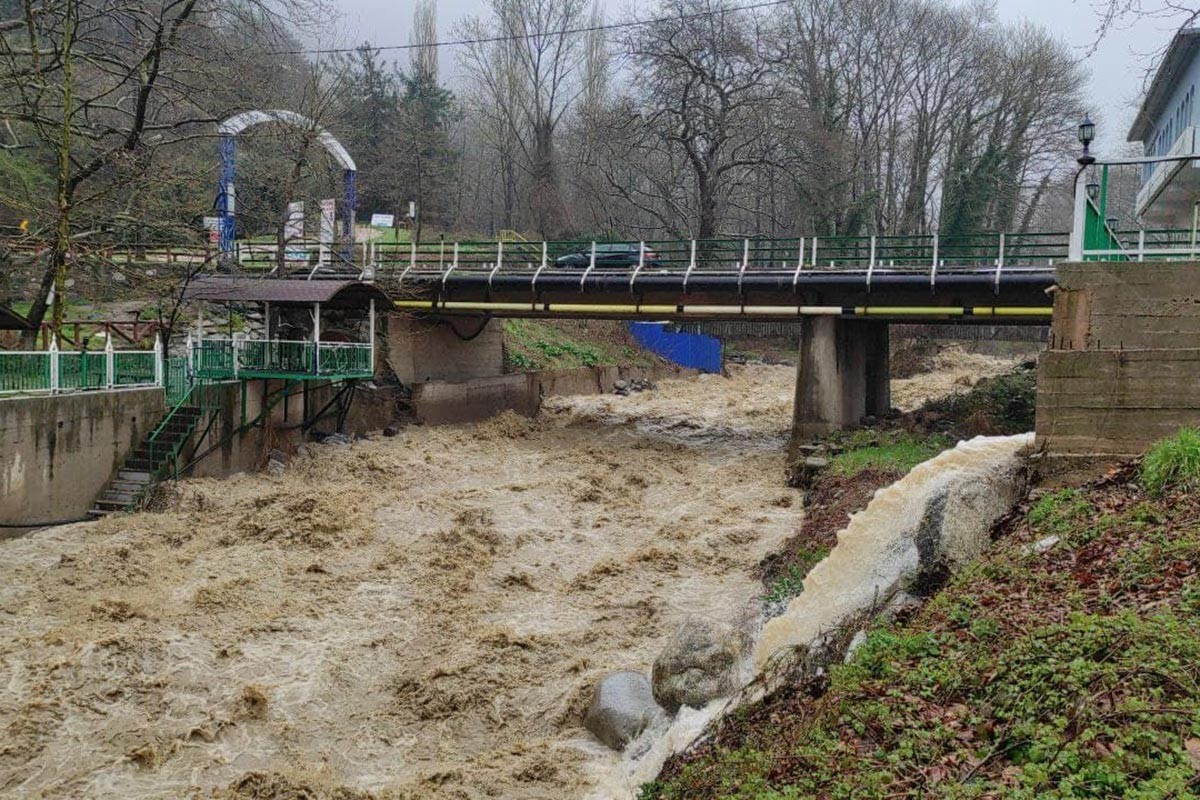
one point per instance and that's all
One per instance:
(842, 375)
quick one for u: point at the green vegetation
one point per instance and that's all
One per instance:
(892, 450)
(995, 406)
(536, 345)
(1069, 673)
(790, 582)
(1173, 463)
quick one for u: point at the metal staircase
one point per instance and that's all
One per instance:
(153, 460)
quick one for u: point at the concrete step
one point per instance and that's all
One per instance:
(128, 486)
(105, 504)
(126, 474)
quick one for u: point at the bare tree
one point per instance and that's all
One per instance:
(530, 80)
(707, 76)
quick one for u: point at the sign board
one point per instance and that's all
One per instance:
(328, 209)
(213, 226)
(383, 220)
(294, 227)
(296, 255)
(412, 209)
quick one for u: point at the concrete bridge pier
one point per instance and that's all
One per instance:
(842, 375)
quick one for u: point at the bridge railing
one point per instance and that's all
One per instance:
(731, 256)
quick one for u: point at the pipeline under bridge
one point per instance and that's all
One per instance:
(998, 278)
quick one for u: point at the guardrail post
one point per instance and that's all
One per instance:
(189, 355)
(870, 265)
(109, 360)
(158, 360)
(799, 266)
(691, 266)
(1142, 244)
(317, 338)
(814, 252)
(53, 358)
(499, 254)
(371, 331)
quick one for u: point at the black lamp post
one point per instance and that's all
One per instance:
(1087, 134)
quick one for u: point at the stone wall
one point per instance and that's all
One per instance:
(59, 452)
(1123, 368)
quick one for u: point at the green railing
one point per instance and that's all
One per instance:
(229, 359)
(24, 372)
(177, 381)
(275, 358)
(336, 358)
(134, 368)
(52, 370)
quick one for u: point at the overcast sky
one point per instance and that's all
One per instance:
(1118, 67)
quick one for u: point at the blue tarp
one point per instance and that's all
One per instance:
(685, 349)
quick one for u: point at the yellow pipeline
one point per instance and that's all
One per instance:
(660, 310)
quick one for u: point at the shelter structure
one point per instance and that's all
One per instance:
(313, 330)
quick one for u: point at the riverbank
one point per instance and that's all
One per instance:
(1062, 664)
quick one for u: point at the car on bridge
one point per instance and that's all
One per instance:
(623, 256)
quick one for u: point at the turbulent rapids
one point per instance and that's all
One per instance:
(422, 616)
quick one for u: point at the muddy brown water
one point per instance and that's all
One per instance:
(422, 616)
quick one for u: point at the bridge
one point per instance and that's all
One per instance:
(995, 278)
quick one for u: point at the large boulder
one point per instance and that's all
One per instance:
(622, 707)
(699, 664)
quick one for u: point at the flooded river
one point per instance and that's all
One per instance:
(422, 616)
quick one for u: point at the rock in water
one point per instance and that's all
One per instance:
(698, 664)
(622, 707)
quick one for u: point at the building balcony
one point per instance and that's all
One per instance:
(1159, 201)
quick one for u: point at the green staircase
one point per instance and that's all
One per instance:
(155, 458)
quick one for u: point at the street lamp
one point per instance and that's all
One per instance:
(1093, 190)
(1112, 223)
(1087, 134)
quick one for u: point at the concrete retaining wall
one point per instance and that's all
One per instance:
(1124, 366)
(441, 403)
(58, 452)
(422, 350)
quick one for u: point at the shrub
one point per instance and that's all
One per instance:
(1173, 463)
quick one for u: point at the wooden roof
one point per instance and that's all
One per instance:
(284, 291)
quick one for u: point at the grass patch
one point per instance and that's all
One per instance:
(790, 582)
(531, 345)
(1173, 463)
(894, 451)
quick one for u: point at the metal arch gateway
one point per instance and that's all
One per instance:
(226, 194)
